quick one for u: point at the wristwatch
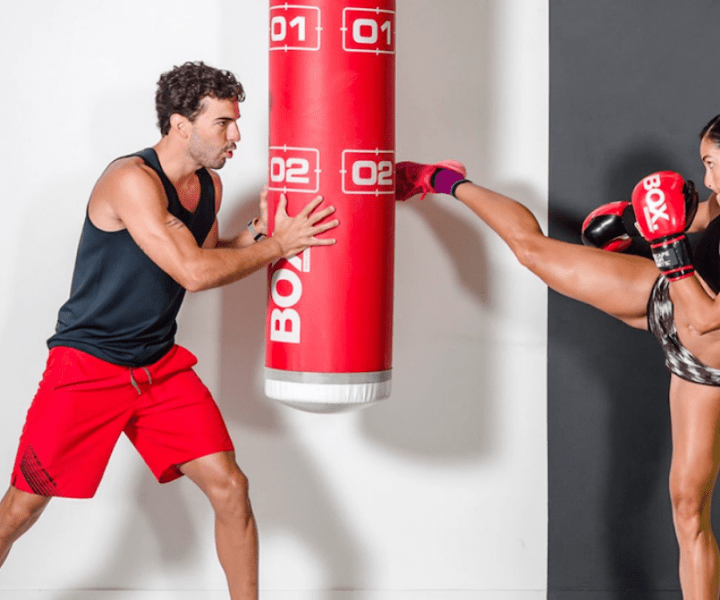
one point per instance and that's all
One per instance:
(257, 235)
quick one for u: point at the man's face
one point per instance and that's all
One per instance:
(215, 132)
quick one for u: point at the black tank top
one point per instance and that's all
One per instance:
(706, 255)
(122, 306)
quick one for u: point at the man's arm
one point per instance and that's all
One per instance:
(137, 199)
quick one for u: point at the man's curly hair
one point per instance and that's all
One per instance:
(182, 89)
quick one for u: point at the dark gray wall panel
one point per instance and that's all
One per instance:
(631, 85)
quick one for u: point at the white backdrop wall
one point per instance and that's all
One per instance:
(438, 492)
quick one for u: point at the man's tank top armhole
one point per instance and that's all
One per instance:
(96, 228)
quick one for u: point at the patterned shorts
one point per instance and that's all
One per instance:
(678, 358)
(84, 404)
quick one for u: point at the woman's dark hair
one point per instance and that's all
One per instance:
(182, 90)
(711, 131)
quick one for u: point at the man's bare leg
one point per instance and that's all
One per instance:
(18, 512)
(225, 485)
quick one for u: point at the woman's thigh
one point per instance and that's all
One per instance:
(617, 284)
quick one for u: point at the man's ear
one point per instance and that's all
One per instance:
(180, 124)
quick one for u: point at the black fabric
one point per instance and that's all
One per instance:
(705, 255)
(122, 306)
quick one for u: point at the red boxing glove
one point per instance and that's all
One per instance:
(605, 227)
(665, 205)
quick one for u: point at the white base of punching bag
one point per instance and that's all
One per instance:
(327, 392)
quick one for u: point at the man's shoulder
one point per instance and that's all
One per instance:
(129, 171)
(128, 181)
(128, 166)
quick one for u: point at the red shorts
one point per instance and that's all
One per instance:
(82, 406)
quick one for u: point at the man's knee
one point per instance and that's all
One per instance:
(229, 494)
(18, 511)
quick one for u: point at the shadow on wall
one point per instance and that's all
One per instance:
(160, 515)
(438, 410)
(441, 408)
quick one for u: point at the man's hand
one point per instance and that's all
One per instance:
(295, 234)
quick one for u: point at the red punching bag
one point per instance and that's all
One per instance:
(332, 132)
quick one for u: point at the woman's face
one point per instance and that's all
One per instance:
(710, 156)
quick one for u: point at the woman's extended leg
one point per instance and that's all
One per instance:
(695, 414)
(618, 284)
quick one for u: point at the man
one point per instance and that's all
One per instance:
(150, 234)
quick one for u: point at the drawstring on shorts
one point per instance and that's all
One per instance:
(134, 382)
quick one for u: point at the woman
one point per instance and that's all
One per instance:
(684, 314)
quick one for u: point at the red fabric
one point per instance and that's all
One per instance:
(82, 406)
